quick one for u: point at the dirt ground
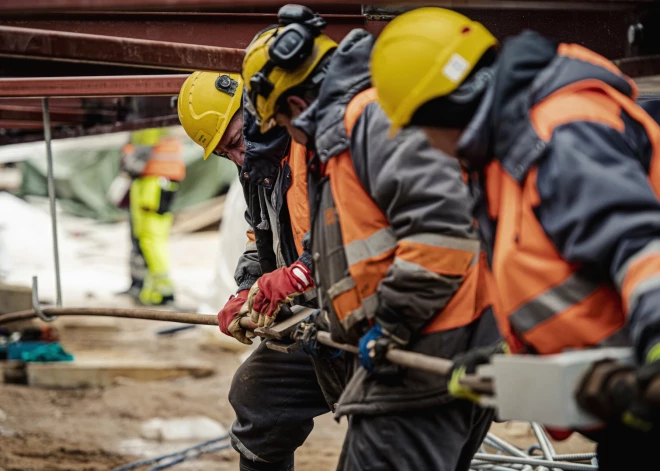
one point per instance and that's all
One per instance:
(100, 428)
(91, 429)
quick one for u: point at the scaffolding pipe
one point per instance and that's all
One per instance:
(51, 197)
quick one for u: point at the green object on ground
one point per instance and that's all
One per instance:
(47, 353)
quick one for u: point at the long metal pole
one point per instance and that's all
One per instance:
(51, 197)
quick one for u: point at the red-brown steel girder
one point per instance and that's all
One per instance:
(133, 85)
(233, 30)
(95, 49)
(54, 5)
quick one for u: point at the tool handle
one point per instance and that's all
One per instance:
(398, 357)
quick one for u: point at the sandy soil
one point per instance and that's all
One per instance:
(96, 429)
(91, 429)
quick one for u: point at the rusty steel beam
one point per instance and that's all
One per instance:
(142, 85)
(55, 5)
(234, 30)
(606, 32)
(69, 131)
(6, 124)
(95, 49)
(33, 113)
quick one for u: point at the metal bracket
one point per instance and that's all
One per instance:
(35, 302)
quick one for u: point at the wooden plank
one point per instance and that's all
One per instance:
(202, 215)
(99, 373)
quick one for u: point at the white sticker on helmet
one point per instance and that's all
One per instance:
(456, 68)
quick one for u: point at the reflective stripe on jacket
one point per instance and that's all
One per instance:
(371, 248)
(571, 216)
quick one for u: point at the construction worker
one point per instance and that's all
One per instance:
(395, 246)
(154, 162)
(275, 396)
(564, 161)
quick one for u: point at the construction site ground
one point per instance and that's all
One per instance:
(99, 428)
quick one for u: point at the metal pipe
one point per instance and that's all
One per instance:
(500, 444)
(51, 197)
(575, 457)
(418, 361)
(546, 448)
(146, 314)
(534, 462)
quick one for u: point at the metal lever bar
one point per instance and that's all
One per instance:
(438, 366)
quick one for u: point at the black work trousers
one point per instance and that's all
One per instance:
(442, 438)
(621, 449)
(276, 397)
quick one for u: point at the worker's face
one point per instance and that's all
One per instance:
(443, 139)
(232, 145)
(296, 106)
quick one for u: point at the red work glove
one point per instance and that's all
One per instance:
(276, 288)
(230, 316)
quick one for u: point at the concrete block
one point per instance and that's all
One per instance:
(99, 373)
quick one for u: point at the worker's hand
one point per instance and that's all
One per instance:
(230, 315)
(373, 348)
(276, 288)
(306, 335)
(466, 363)
(615, 393)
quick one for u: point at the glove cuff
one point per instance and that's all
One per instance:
(301, 275)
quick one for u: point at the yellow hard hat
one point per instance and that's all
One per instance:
(424, 54)
(278, 60)
(207, 102)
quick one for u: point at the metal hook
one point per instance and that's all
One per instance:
(35, 302)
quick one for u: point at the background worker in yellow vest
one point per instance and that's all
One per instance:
(154, 162)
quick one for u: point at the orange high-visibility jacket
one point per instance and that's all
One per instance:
(571, 215)
(393, 236)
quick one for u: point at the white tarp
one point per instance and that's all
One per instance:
(231, 245)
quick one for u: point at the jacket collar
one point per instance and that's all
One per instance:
(263, 152)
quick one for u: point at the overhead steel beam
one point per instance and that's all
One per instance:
(66, 132)
(31, 113)
(603, 30)
(54, 5)
(95, 49)
(24, 125)
(136, 85)
(234, 30)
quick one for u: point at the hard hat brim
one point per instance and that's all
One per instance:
(208, 150)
